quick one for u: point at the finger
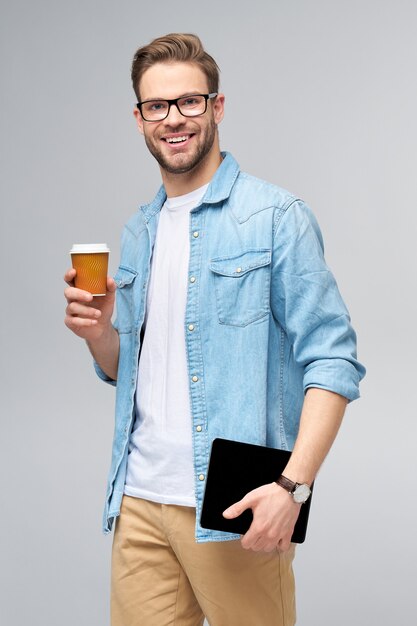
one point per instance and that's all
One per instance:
(261, 533)
(81, 310)
(69, 276)
(237, 508)
(249, 541)
(111, 285)
(259, 545)
(73, 294)
(284, 544)
(254, 535)
(78, 323)
(266, 547)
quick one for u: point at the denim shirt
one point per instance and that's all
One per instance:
(264, 322)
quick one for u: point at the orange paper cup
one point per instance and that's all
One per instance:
(91, 262)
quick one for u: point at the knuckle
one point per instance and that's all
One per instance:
(261, 528)
(69, 323)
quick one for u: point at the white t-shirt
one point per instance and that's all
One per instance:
(160, 463)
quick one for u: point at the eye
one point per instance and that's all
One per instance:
(191, 101)
(156, 106)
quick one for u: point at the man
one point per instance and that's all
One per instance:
(229, 324)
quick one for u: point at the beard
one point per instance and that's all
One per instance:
(182, 163)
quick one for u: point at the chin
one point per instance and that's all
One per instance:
(178, 166)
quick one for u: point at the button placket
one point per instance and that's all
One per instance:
(193, 340)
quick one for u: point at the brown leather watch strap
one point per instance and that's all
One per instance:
(286, 483)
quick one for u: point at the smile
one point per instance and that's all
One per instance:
(177, 139)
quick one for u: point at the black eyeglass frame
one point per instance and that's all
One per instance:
(206, 96)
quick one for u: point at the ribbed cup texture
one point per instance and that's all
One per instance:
(91, 272)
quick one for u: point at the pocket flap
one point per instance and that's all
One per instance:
(124, 276)
(239, 264)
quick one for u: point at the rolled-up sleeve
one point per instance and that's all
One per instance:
(103, 375)
(100, 373)
(306, 302)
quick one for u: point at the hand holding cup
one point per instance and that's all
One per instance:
(91, 293)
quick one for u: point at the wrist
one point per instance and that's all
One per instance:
(105, 333)
(300, 492)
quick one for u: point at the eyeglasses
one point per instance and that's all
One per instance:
(189, 106)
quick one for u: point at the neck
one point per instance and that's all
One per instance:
(180, 184)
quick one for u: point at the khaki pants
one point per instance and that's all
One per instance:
(162, 577)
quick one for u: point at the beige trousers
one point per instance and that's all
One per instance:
(162, 577)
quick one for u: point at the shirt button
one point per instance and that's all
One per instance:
(194, 379)
(201, 477)
(192, 279)
(238, 270)
(190, 326)
(196, 233)
(199, 429)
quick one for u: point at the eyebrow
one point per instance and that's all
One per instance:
(184, 95)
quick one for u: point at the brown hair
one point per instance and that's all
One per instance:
(175, 47)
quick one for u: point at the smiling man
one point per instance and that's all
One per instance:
(229, 324)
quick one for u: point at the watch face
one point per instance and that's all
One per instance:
(302, 493)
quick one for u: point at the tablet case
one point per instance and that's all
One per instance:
(235, 468)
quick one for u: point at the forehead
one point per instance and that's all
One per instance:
(170, 80)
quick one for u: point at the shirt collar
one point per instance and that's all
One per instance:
(218, 190)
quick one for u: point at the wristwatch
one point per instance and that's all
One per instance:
(300, 492)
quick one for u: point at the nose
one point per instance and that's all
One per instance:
(174, 117)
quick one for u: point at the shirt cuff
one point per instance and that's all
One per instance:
(103, 375)
(337, 375)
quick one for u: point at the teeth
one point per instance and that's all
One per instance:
(176, 139)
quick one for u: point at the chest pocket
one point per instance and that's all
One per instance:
(242, 284)
(125, 280)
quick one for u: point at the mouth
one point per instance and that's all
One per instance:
(178, 139)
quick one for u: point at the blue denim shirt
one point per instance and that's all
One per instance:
(268, 322)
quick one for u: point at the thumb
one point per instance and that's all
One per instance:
(236, 509)
(111, 285)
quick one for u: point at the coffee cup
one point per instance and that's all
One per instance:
(91, 262)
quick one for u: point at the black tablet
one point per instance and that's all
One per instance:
(235, 468)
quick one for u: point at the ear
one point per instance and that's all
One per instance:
(218, 108)
(139, 119)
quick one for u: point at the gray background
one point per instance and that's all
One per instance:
(339, 130)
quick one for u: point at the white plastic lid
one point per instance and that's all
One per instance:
(89, 248)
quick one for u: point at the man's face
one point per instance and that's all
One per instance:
(168, 81)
